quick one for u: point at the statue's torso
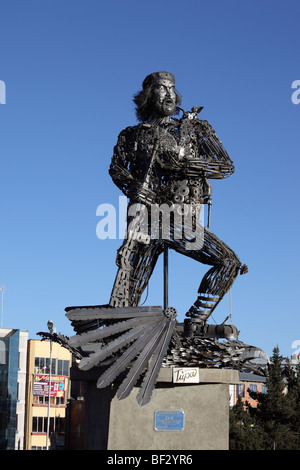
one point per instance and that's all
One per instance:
(175, 141)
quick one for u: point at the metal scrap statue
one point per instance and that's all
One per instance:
(166, 161)
(163, 165)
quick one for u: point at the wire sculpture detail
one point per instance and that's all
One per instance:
(163, 165)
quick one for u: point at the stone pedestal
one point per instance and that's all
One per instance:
(203, 406)
(112, 424)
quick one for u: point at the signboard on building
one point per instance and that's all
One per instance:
(41, 385)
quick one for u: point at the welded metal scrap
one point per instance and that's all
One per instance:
(141, 334)
(162, 161)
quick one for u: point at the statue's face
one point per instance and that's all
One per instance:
(164, 97)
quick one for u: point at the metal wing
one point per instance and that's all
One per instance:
(145, 392)
(143, 332)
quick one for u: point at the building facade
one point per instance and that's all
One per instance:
(37, 410)
(249, 382)
(13, 359)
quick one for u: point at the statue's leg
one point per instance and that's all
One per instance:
(218, 280)
(136, 262)
(143, 263)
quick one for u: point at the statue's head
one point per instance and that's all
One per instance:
(158, 98)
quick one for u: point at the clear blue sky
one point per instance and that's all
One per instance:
(70, 68)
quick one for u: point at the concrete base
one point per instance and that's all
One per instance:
(112, 424)
(206, 415)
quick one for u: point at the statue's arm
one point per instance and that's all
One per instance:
(123, 156)
(128, 172)
(207, 158)
(211, 158)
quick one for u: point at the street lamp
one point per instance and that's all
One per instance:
(51, 329)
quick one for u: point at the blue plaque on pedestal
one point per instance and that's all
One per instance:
(169, 420)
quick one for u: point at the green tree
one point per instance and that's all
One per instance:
(293, 400)
(275, 422)
(244, 434)
(274, 410)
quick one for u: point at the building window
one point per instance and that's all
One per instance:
(240, 390)
(61, 400)
(63, 367)
(54, 401)
(264, 389)
(39, 424)
(59, 366)
(3, 352)
(42, 365)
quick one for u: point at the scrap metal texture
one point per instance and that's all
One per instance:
(168, 165)
(163, 165)
(143, 337)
